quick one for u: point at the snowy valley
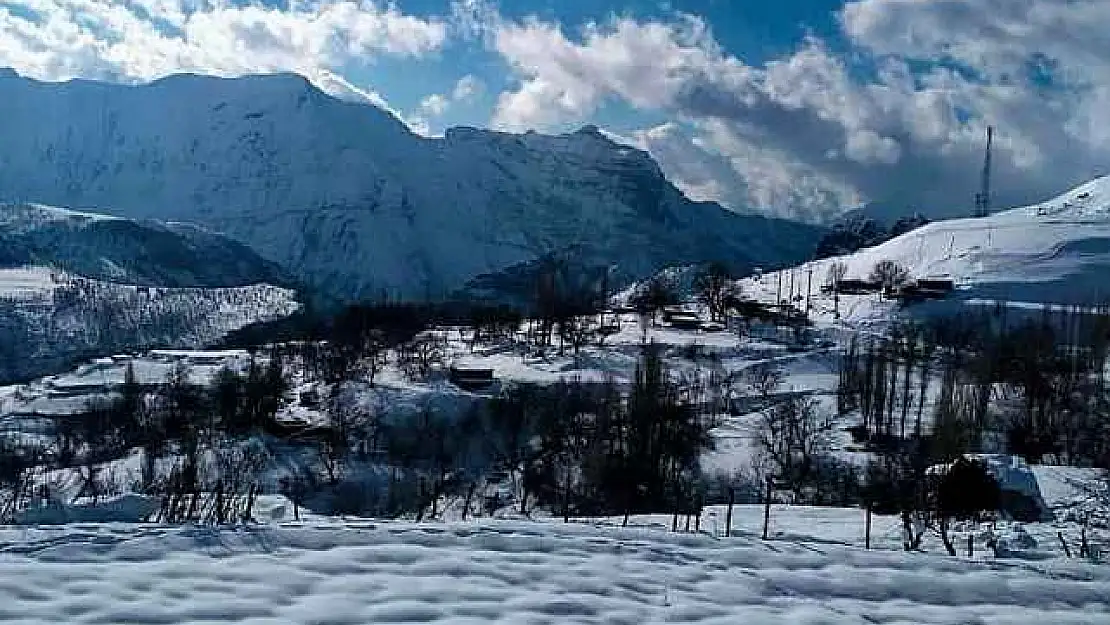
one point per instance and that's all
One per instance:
(477, 559)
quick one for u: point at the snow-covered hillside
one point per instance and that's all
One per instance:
(49, 318)
(343, 195)
(149, 253)
(1057, 252)
(76, 284)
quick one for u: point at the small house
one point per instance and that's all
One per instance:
(855, 286)
(471, 378)
(684, 322)
(924, 289)
(681, 318)
(939, 285)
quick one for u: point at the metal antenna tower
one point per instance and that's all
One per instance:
(983, 197)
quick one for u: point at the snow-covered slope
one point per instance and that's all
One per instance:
(345, 196)
(78, 284)
(1057, 252)
(146, 253)
(50, 318)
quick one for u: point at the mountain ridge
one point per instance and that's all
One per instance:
(344, 196)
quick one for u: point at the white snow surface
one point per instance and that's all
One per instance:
(511, 572)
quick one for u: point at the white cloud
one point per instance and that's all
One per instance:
(147, 39)
(468, 88)
(812, 133)
(565, 80)
(435, 105)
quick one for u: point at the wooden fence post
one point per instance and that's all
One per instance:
(767, 509)
(867, 532)
(728, 517)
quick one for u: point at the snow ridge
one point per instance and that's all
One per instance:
(515, 573)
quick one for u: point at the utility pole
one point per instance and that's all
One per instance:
(983, 197)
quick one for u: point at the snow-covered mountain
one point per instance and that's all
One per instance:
(1056, 252)
(75, 284)
(344, 196)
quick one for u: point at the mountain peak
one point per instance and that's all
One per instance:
(349, 201)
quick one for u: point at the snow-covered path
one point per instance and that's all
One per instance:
(511, 572)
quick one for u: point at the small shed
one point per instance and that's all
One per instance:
(471, 378)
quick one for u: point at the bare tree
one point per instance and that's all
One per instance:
(763, 379)
(576, 331)
(18, 463)
(715, 288)
(791, 439)
(655, 295)
(889, 274)
(418, 357)
(837, 271)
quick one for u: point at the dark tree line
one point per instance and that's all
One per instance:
(855, 234)
(1030, 385)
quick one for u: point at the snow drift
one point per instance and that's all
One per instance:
(514, 573)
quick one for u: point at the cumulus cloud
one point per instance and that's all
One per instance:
(140, 40)
(468, 88)
(898, 120)
(435, 105)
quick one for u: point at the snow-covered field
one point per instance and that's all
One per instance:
(513, 572)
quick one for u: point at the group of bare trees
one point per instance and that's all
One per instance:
(573, 447)
(888, 381)
(1035, 386)
(930, 498)
(927, 395)
(198, 443)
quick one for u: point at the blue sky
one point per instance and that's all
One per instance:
(799, 108)
(754, 30)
